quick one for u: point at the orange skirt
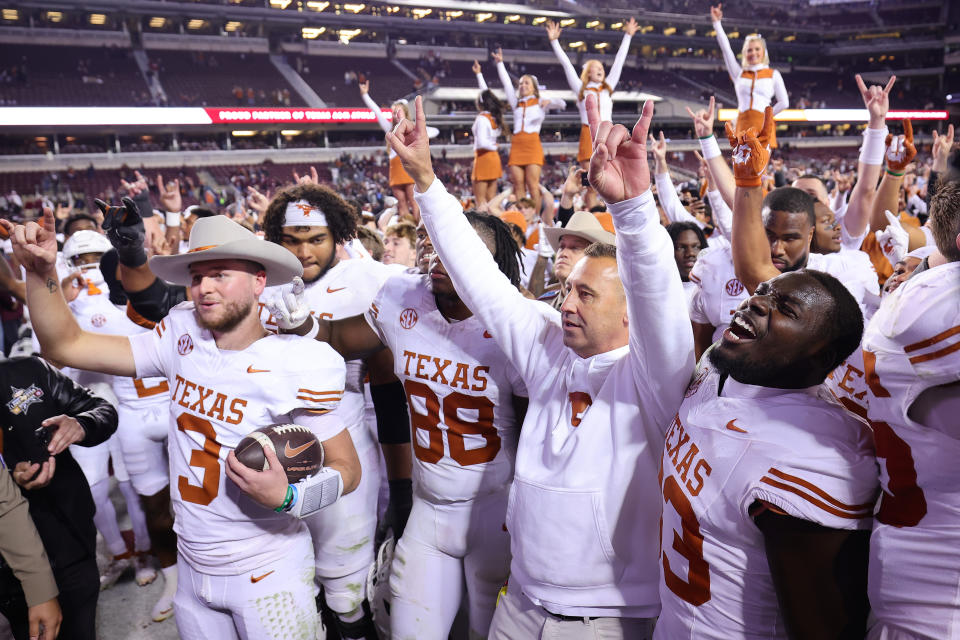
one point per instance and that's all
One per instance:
(525, 148)
(585, 150)
(752, 118)
(398, 175)
(486, 165)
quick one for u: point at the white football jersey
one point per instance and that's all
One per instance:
(799, 452)
(459, 388)
(911, 345)
(218, 397)
(95, 313)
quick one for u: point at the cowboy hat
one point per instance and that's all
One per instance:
(581, 224)
(219, 238)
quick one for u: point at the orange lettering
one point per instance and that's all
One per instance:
(461, 376)
(187, 387)
(479, 378)
(199, 402)
(579, 403)
(440, 369)
(408, 355)
(216, 411)
(684, 467)
(701, 463)
(420, 360)
(236, 408)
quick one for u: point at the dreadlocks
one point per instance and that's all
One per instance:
(342, 219)
(506, 252)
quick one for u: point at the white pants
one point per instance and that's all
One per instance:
(343, 537)
(442, 546)
(142, 434)
(280, 605)
(95, 461)
(517, 618)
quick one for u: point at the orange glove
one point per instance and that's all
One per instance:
(900, 149)
(751, 152)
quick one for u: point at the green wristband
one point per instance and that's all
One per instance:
(286, 501)
(705, 137)
(894, 173)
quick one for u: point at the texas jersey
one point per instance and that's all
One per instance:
(913, 344)
(218, 397)
(725, 451)
(459, 388)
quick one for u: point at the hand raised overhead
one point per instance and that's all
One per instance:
(618, 166)
(411, 141)
(751, 152)
(35, 245)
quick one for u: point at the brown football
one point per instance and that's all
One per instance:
(297, 448)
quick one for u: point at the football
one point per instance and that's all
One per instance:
(297, 448)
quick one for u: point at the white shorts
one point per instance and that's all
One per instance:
(95, 461)
(142, 434)
(443, 546)
(275, 602)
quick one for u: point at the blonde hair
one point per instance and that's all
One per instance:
(403, 105)
(533, 81)
(585, 78)
(763, 43)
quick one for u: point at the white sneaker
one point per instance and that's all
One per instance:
(163, 609)
(117, 567)
(144, 568)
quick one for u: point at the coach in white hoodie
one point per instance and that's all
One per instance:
(605, 375)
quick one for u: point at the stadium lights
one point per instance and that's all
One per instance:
(690, 32)
(539, 20)
(11, 14)
(576, 45)
(347, 34)
(669, 31)
(196, 23)
(454, 14)
(483, 17)
(592, 24)
(839, 115)
(616, 25)
(157, 22)
(733, 34)
(601, 45)
(98, 18)
(290, 132)
(354, 8)
(566, 22)
(711, 33)
(243, 133)
(646, 29)
(393, 9)
(233, 25)
(312, 32)
(512, 18)
(315, 5)
(421, 13)
(790, 38)
(54, 16)
(280, 4)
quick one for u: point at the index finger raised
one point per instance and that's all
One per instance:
(593, 115)
(889, 86)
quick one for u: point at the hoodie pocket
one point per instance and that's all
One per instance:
(561, 537)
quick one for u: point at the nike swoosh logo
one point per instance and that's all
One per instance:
(733, 427)
(486, 334)
(294, 452)
(255, 580)
(329, 290)
(250, 369)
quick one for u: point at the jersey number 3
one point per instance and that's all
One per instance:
(207, 458)
(457, 427)
(696, 588)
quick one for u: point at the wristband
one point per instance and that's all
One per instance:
(874, 146)
(287, 500)
(709, 147)
(316, 492)
(296, 493)
(312, 334)
(894, 173)
(172, 218)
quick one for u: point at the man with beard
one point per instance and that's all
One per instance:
(241, 564)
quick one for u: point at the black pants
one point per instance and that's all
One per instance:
(79, 586)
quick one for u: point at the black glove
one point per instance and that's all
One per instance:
(125, 231)
(398, 508)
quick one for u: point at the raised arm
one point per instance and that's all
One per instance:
(573, 78)
(669, 201)
(877, 101)
(629, 28)
(367, 100)
(478, 71)
(661, 340)
(729, 57)
(710, 148)
(60, 337)
(780, 91)
(751, 250)
(505, 78)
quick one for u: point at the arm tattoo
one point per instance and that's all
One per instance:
(51, 285)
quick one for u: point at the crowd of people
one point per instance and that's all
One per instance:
(575, 403)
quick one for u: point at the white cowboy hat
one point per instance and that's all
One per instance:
(581, 224)
(219, 238)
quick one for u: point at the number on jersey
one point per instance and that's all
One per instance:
(449, 414)
(207, 458)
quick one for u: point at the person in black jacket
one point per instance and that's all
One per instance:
(42, 412)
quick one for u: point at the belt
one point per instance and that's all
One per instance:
(563, 618)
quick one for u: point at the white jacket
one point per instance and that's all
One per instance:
(754, 91)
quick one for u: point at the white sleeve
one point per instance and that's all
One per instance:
(661, 338)
(850, 242)
(780, 91)
(722, 214)
(150, 349)
(381, 119)
(670, 202)
(507, 84)
(323, 425)
(481, 82)
(729, 57)
(617, 67)
(557, 104)
(572, 78)
(527, 331)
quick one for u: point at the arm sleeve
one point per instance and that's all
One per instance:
(670, 202)
(527, 331)
(155, 302)
(21, 546)
(780, 91)
(381, 119)
(661, 338)
(97, 416)
(573, 80)
(722, 214)
(323, 425)
(729, 58)
(617, 67)
(481, 82)
(557, 104)
(507, 84)
(148, 350)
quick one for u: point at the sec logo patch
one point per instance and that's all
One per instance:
(734, 287)
(98, 320)
(408, 318)
(185, 344)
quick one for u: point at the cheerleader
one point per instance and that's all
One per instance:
(486, 129)
(755, 82)
(526, 152)
(594, 79)
(400, 181)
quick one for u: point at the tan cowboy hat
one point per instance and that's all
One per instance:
(581, 224)
(219, 238)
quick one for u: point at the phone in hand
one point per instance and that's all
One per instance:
(584, 179)
(38, 451)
